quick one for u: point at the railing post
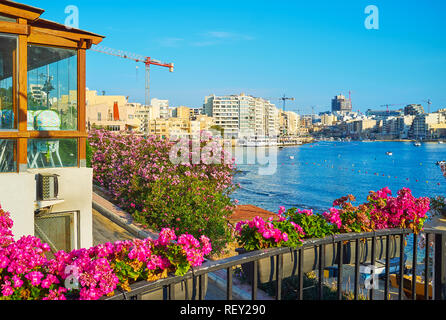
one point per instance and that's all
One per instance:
(440, 266)
(172, 291)
(357, 253)
(372, 263)
(426, 267)
(386, 288)
(321, 270)
(229, 284)
(401, 273)
(301, 276)
(202, 287)
(414, 267)
(254, 279)
(340, 263)
(279, 274)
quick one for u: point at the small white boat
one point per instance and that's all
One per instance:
(417, 144)
(389, 153)
(440, 142)
(292, 157)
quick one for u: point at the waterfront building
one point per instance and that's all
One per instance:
(160, 108)
(413, 109)
(428, 126)
(182, 112)
(242, 115)
(113, 113)
(328, 119)
(292, 122)
(44, 181)
(340, 103)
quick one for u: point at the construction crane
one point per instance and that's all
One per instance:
(284, 99)
(148, 61)
(394, 104)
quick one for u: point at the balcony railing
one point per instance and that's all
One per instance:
(437, 251)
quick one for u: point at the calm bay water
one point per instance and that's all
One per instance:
(324, 171)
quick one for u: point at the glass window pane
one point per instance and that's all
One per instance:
(52, 88)
(58, 230)
(4, 18)
(52, 153)
(8, 83)
(7, 155)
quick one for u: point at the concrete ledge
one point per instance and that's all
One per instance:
(119, 216)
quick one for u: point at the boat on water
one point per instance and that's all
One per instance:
(292, 157)
(389, 153)
(440, 142)
(417, 144)
(441, 163)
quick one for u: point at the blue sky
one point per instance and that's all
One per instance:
(309, 50)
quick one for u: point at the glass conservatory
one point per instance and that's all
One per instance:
(44, 181)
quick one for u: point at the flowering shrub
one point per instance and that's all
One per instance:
(161, 188)
(402, 211)
(382, 211)
(89, 274)
(260, 234)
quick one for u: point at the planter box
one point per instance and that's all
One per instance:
(365, 250)
(187, 286)
(267, 266)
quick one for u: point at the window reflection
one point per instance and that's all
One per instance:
(52, 88)
(7, 158)
(8, 83)
(52, 153)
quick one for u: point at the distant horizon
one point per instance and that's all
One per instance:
(309, 51)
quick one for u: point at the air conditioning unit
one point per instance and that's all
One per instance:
(47, 186)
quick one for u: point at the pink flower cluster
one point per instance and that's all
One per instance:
(381, 211)
(265, 228)
(333, 216)
(26, 273)
(402, 211)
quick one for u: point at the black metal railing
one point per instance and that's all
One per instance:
(434, 286)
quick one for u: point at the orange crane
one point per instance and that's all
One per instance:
(148, 61)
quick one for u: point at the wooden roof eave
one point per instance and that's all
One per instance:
(36, 25)
(20, 10)
(60, 30)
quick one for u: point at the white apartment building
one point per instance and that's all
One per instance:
(424, 125)
(160, 108)
(242, 115)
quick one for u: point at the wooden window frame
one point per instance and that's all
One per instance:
(59, 39)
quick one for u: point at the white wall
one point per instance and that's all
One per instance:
(18, 196)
